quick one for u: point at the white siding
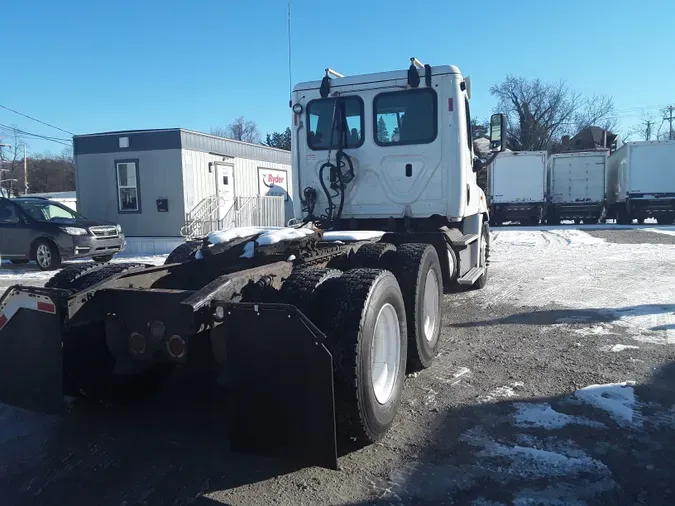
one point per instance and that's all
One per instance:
(159, 177)
(199, 183)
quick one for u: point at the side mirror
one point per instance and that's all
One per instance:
(497, 133)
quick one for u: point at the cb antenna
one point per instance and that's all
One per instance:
(290, 79)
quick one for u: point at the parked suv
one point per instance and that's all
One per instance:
(34, 228)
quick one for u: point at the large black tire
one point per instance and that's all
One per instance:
(46, 255)
(377, 255)
(418, 266)
(351, 306)
(95, 276)
(183, 253)
(66, 276)
(484, 257)
(665, 220)
(300, 288)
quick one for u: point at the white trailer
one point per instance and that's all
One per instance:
(641, 182)
(517, 186)
(577, 186)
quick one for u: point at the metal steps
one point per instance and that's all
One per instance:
(472, 276)
(465, 240)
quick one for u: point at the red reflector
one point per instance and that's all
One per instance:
(46, 307)
(450, 104)
(295, 119)
(3, 321)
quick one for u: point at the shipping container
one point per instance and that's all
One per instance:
(641, 182)
(517, 187)
(576, 186)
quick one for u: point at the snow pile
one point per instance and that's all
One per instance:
(631, 285)
(544, 416)
(577, 237)
(617, 399)
(249, 248)
(353, 235)
(283, 234)
(619, 347)
(268, 235)
(230, 234)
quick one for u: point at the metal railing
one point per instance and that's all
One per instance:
(256, 211)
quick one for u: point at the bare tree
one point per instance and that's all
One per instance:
(539, 114)
(11, 162)
(645, 130)
(240, 129)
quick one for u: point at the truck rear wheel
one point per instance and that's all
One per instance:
(419, 273)
(378, 255)
(66, 276)
(300, 287)
(95, 276)
(183, 253)
(365, 325)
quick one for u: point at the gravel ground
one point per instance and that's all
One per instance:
(503, 416)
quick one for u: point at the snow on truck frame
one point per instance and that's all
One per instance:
(313, 326)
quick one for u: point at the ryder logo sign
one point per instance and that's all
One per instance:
(273, 182)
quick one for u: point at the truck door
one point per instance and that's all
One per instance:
(225, 193)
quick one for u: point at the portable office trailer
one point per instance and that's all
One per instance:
(576, 186)
(517, 187)
(162, 185)
(641, 182)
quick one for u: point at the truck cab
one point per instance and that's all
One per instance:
(392, 151)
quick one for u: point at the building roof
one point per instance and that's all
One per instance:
(175, 138)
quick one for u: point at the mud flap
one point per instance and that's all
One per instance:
(280, 379)
(31, 365)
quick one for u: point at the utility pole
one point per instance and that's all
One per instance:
(25, 171)
(669, 119)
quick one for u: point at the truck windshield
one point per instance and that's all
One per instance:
(48, 211)
(320, 115)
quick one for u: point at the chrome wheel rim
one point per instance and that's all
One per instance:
(431, 310)
(385, 353)
(43, 255)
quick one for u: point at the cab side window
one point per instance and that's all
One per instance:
(8, 213)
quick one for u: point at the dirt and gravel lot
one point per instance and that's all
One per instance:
(555, 385)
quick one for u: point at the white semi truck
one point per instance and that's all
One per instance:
(576, 183)
(517, 187)
(313, 325)
(641, 182)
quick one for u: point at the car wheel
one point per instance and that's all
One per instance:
(47, 255)
(102, 259)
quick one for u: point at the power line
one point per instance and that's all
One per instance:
(58, 140)
(35, 119)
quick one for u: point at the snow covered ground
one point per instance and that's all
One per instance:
(630, 285)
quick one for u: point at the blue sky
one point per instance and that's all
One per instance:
(128, 64)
